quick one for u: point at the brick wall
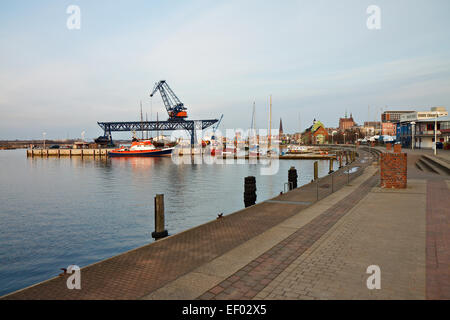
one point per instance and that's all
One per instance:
(397, 148)
(393, 170)
(388, 146)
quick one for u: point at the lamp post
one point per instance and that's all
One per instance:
(435, 134)
(43, 135)
(413, 141)
(344, 137)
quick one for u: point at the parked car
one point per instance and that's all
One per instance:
(439, 145)
(55, 146)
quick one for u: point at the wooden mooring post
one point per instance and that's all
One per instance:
(331, 166)
(316, 170)
(160, 231)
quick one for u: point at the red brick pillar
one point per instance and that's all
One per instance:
(388, 147)
(397, 148)
(393, 170)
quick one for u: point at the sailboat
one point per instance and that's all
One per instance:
(253, 146)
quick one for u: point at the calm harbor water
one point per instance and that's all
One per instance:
(57, 212)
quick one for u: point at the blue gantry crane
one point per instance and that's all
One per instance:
(176, 121)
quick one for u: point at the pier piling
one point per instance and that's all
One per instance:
(292, 178)
(159, 232)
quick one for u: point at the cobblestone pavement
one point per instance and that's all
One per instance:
(372, 233)
(404, 232)
(251, 280)
(438, 240)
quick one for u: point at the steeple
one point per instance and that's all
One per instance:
(281, 127)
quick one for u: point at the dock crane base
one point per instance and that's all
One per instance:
(169, 125)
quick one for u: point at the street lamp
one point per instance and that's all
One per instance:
(344, 137)
(435, 133)
(43, 135)
(413, 142)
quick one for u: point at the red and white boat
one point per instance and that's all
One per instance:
(143, 148)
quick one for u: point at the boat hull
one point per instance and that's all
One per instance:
(148, 153)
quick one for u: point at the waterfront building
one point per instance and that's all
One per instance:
(388, 128)
(419, 126)
(315, 134)
(389, 120)
(393, 116)
(371, 128)
(346, 123)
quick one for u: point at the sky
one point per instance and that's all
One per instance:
(317, 59)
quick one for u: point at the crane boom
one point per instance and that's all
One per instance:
(175, 108)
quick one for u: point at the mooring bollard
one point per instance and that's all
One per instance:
(292, 178)
(159, 232)
(331, 166)
(249, 191)
(316, 170)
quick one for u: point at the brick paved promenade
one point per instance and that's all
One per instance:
(310, 243)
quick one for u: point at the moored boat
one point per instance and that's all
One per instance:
(143, 148)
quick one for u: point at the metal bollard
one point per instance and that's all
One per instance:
(249, 191)
(292, 178)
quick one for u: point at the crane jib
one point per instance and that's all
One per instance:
(175, 108)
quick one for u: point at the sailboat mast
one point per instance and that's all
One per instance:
(142, 123)
(270, 122)
(151, 113)
(146, 120)
(253, 117)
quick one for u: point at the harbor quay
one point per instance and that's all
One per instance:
(316, 153)
(342, 236)
(68, 152)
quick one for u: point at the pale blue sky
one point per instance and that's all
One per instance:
(317, 59)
